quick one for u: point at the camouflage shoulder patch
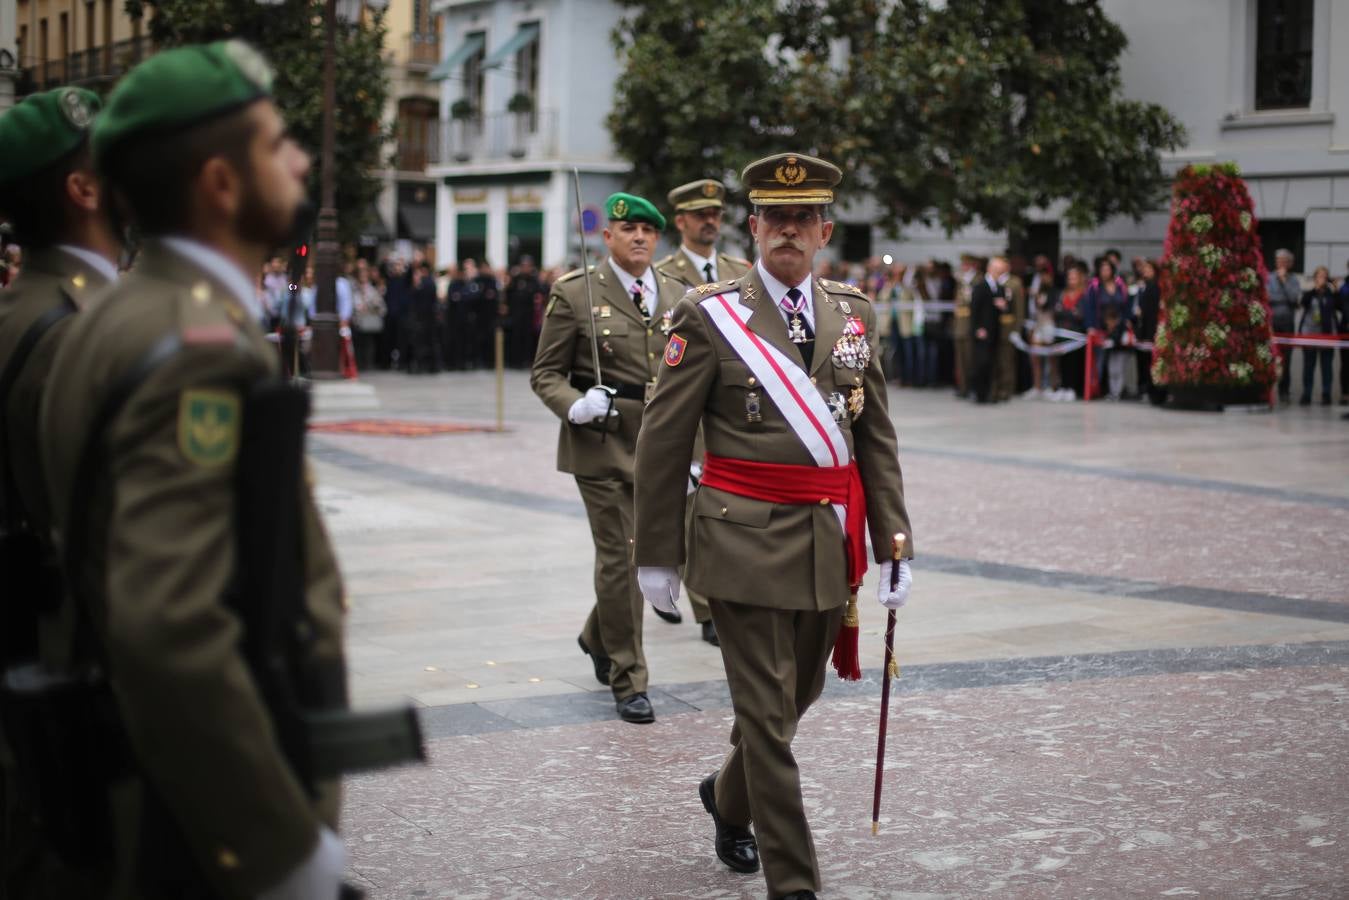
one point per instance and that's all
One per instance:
(208, 426)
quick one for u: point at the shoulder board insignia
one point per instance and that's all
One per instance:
(548, 310)
(738, 261)
(574, 273)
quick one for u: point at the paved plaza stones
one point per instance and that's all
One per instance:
(1126, 664)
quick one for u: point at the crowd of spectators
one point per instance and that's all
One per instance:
(403, 314)
(929, 319)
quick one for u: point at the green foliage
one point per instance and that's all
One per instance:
(291, 36)
(973, 110)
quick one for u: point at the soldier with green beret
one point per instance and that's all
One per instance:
(780, 370)
(621, 306)
(698, 210)
(157, 377)
(54, 202)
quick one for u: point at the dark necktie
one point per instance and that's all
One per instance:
(637, 299)
(798, 326)
(707, 271)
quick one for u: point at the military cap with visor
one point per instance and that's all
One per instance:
(700, 194)
(179, 88)
(790, 178)
(622, 207)
(42, 129)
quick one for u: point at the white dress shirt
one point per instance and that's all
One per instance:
(701, 262)
(91, 259)
(648, 284)
(777, 290)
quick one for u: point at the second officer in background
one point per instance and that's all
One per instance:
(598, 437)
(699, 210)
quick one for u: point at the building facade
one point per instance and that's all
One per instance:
(525, 86)
(78, 42)
(1257, 82)
(406, 209)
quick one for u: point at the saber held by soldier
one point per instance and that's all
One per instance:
(610, 417)
(891, 671)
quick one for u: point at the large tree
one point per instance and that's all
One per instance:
(291, 35)
(942, 113)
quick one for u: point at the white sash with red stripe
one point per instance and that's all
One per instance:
(784, 381)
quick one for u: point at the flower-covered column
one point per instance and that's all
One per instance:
(1213, 331)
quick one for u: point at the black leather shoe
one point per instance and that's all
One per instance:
(735, 845)
(798, 895)
(601, 663)
(636, 709)
(674, 618)
(710, 633)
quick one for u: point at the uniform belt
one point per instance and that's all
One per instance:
(800, 485)
(623, 391)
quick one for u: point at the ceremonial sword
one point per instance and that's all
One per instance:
(891, 670)
(590, 308)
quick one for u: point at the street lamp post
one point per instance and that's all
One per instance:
(325, 342)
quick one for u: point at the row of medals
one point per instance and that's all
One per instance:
(851, 351)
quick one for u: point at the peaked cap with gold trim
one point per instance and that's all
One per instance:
(790, 178)
(700, 194)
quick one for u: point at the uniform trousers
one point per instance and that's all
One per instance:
(614, 626)
(776, 661)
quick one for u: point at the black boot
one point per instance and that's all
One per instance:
(601, 663)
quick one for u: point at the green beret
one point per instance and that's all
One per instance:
(790, 178)
(180, 88)
(44, 128)
(698, 194)
(629, 208)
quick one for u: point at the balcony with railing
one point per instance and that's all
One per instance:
(88, 66)
(500, 137)
(417, 152)
(423, 52)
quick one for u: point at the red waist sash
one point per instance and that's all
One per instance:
(805, 485)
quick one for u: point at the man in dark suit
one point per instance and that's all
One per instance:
(985, 296)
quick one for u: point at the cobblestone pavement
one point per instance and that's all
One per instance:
(1126, 663)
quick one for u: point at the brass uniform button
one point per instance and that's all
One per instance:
(824, 501)
(605, 332)
(227, 859)
(753, 381)
(651, 356)
(814, 380)
(649, 332)
(723, 510)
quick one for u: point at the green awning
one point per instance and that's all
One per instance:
(527, 35)
(471, 45)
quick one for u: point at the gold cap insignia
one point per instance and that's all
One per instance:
(790, 174)
(709, 190)
(620, 209)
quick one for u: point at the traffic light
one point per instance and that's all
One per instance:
(299, 260)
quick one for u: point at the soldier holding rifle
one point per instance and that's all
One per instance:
(221, 642)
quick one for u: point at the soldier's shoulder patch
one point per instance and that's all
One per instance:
(674, 350)
(208, 426)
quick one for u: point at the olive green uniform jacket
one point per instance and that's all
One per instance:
(630, 354)
(160, 559)
(50, 279)
(751, 551)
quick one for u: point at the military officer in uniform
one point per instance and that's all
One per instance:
(50, 193)
(699, 206)
(1011, 320)
(197, 155)
(782, 370)
(601, 414)
(960, 329)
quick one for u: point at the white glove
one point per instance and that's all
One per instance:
(592, 405)
(659, 586)
(317, 878)
(900, 595)
(695, 475)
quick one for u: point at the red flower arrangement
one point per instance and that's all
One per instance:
(1213, 329)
